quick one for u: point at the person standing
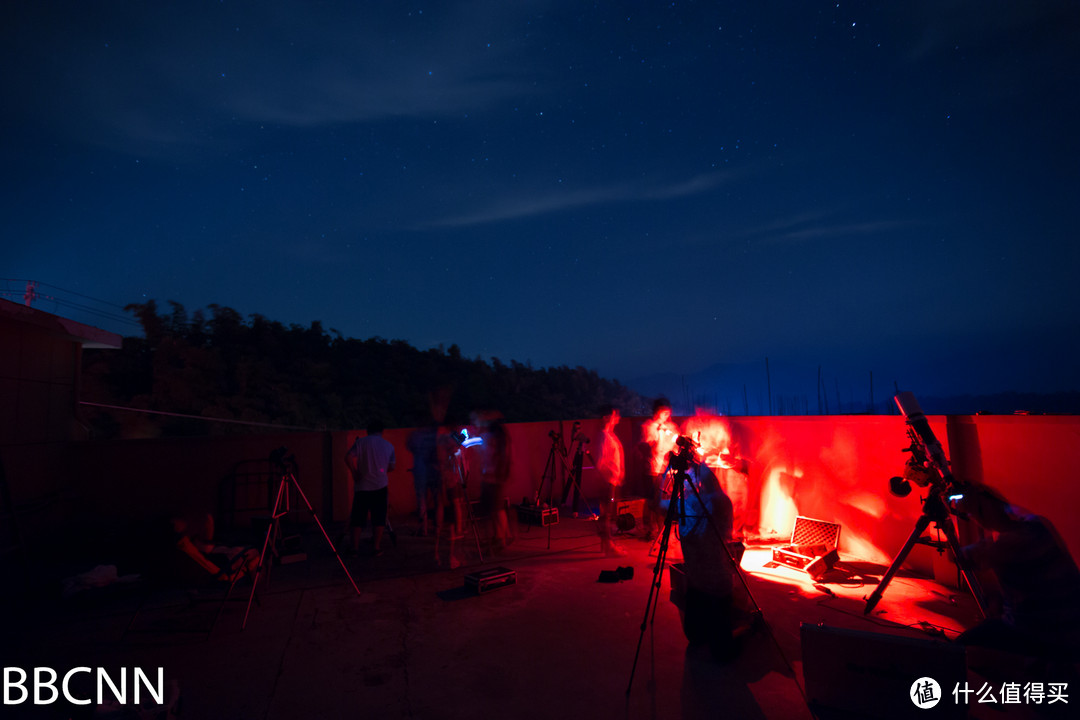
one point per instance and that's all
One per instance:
(452, 472)
(658, 437)
(611, 467)
(422, 444)
(369, 460)
(495, 481)
(704, 527)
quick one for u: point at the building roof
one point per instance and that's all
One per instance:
(86, 335)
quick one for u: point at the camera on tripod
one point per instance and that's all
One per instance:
(281, 457)
(680, 461)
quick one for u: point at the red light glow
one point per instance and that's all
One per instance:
(713, 437)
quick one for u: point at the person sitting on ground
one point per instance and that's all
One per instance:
(1034, 611)
(224, 562)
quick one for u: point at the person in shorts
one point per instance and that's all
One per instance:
(369, 460)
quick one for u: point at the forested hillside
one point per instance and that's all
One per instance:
(216, 364)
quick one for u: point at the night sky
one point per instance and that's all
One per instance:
(639, 188)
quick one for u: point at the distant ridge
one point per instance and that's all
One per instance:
(744, 389)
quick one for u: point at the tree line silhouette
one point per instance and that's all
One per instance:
(219, 366)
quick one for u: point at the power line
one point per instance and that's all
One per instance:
(194, 417)
(26, 291)
(72, 292)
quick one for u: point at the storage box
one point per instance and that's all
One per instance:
(858, 674)
(810, 539)
(629, 514)
(537, 515)
(484, 581)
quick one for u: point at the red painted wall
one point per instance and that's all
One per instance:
(833, 468)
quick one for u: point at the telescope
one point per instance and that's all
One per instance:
(929, 468)
(927, 465)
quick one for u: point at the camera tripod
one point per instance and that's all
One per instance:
(574, 480)
(467, 518)
(679, 464)
(285, 468)
(557, 454)
(935, 510)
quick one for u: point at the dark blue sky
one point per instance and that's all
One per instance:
(635, 187)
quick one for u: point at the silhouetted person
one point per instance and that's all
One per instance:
(495, 480)
(1036, 612)
(370, 459)
(423, 444)
(703, 529)
(425, 470)
(196, 540)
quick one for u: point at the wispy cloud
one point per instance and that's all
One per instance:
(167, 77)
(781, 226)
(820, 224)
(523, 206)
(864, 228)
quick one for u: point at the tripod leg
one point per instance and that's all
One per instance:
(966, 570)
(658, 574)
(736, 568)
(585, 500)
(920, 527)
(654, 589)
(328, 540)
(658, 487)
(470, 520)
(567, 487)
(549, 467)
(578, 467)
(262, 555)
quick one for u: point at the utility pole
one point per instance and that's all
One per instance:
(818, 389)
(768, 382)
(871, 392)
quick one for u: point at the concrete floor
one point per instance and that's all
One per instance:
(412, 644)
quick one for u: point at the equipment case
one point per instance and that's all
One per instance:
(810, 539)
(483, 581)
(537, 515)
